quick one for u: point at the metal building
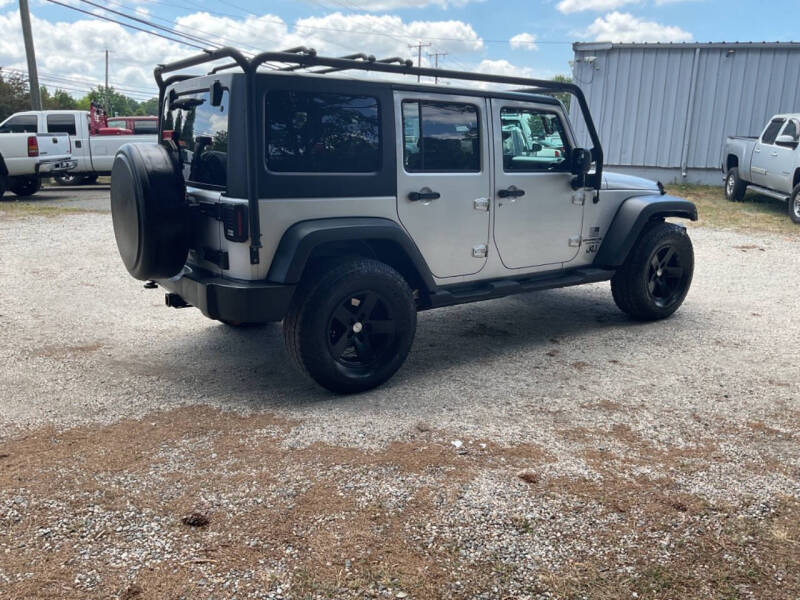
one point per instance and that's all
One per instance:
(663, 110)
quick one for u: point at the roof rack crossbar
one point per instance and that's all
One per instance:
(360, 56)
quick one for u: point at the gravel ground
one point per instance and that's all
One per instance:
(523, 439)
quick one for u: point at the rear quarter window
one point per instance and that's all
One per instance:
(61, 124)
(310, 132)
(201, 134)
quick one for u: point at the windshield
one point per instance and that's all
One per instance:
(201, 132)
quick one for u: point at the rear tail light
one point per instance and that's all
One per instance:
(167, 134)
(234, 220)
(33, 146)
(558, 154)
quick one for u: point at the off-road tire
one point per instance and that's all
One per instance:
(328, 311)
(25, 186)
(794, 205)
(735, 187)
(656, 276)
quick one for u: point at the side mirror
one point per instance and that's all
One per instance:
(215, 91)
(786, 140)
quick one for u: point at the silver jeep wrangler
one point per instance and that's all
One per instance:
(342, 206)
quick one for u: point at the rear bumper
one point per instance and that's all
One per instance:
(51, 167)
(231, 300)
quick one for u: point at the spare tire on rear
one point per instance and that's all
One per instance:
(148, 208)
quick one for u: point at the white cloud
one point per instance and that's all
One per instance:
(379, 5)
(73, 52)
(573, 6)
(624, 27)
(524, 41)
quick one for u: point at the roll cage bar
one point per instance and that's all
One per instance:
(307, 58)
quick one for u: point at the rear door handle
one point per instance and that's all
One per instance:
(512, 192)
(774, 154)
(425, 194)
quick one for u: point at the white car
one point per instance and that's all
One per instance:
(27, 156)
(94, 143)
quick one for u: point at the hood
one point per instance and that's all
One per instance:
(618, 181)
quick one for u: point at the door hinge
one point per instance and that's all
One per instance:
(575, 241)
(579, 198)
(218, 257)
(480, 251)
(481, 204)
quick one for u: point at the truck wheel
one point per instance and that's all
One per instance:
(68, 179)
(2, 185)
(90, 179)
(657, 274)
(794, 205)
(734, 186)
(25, 186)
(351, 325)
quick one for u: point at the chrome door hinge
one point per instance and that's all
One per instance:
(480, 251)
(579, 198)
(575, 241)
(481, 204)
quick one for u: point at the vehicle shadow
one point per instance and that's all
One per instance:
(251, 363)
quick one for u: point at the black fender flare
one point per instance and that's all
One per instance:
(300, 240)
(632, 217)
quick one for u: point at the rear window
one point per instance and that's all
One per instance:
(440, 137)
(118, 123)
(322, 133)
(145, 127)
(61, 124)
(201, 133)
(20, 124)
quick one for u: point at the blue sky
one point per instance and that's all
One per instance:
(531, 37)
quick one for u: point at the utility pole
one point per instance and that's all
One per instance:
(435, 56)
(106, 88)
(419, 48)
(33, 75)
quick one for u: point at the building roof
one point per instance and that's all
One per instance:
(599, 46)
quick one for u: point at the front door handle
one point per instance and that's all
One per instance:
(425, 194)
(757, 150)
(512, 192)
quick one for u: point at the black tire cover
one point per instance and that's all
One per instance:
(148, 208)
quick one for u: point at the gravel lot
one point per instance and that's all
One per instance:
(540, 446)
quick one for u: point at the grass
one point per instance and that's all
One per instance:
(755, 213)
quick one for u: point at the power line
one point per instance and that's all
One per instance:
(96, 16)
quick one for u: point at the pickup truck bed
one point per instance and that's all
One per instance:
(25, 157)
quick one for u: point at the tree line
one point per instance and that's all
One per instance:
(15, 97)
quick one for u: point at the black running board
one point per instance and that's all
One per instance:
(499, 288)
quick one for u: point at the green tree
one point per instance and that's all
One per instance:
(59, 100)
(565, 97)
(116, 103)
(14, 94)
(148, 107)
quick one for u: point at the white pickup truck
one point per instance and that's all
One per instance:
(25, 157)
(94, 143)
(768, 164)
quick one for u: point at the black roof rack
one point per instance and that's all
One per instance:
(302, 57)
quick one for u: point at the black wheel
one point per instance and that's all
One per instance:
(657, 274)
(794, 205)
(25, 186)
(2, 185)
(351, 325)
(735, 187)
(90, 180)
(68, 179)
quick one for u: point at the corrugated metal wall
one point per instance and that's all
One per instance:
(640, 96)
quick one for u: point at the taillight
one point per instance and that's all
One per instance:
(234, 219)
(558, 154)
(167, 134)
(33, 146)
